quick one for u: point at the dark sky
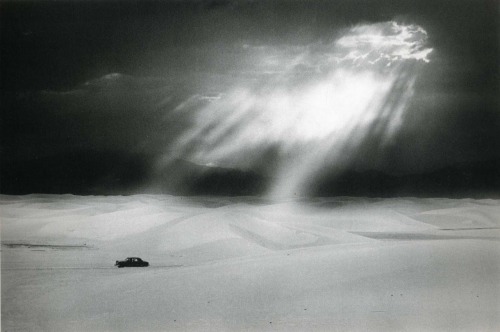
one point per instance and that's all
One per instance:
(111, 76)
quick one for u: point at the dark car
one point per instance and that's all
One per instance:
(132, 262)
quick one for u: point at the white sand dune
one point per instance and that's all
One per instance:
(463, 217)
(336, 264)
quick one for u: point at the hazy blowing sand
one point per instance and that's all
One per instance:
(339, 264)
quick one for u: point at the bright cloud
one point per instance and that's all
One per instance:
(386, 42)
(316, 103)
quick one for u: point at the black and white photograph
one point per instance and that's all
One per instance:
(250, 165)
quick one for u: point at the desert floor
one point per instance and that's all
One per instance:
(246, 263)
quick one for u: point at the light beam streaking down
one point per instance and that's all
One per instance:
(314, 104)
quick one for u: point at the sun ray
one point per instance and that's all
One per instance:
(323, 101)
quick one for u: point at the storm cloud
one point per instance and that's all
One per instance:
(235, 85)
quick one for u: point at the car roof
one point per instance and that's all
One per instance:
(132, 257)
